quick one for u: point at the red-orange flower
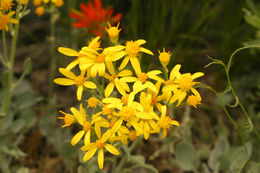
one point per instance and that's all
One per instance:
(94, 17)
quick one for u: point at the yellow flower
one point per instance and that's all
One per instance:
(165, 122)
(6, 4)
(37, 2)
(116, 102)
(68, 119)
(141, 81)
(164, 57)
(80, 81)
(122, 87)
(184, 85)
(85, 52)
(194, 100)
(46, 1)
(92, 102)
(86, 125)
(147, 116)
(58, 3)
(167, 93)
(100, 144)
(131, 51)
(5, 20)
(39, 11)
(113, 33)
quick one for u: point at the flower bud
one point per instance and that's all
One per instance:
(164, 57)
(113, 33)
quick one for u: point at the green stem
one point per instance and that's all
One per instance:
(227, 68)
(5, 48)
(166, 71)
(52, 65)
(8, 92)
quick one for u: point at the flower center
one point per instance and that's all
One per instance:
(193, 100)
(127, 113)
(100, 58)
(6, 4)
(164, 122)
(154, 100)
(87, 126)
(92, 102)
(68, 119)
(112, 122)
(113, 77)
(100, 144)
(124, 99)
(169, 82)
(142, 77)
(79, 80)
(185, 82)
(132, 48)
(107, 111)
(4, 21)
(132, 135)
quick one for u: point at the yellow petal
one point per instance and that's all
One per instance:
(101, 69)
(72, 64)
(124, 63)
(124, 73)
(117, 56)
(111, 149)
(174, 71)
(89, 154)
(140, 41)
(14, 21)
(79, 92)
(82, 113)
(174, 122)
(68, 51)
(106, 135)
(181, 98)
(128, 79)
(136, 65)
(67, 73)
(116, 126)
(88, 146)
(87, 138)
(151, 86)
(144, 116)
(109, 89)
(64, 81)
(119, 86)
(146, 130)
(115, 48)
(196, 75)
(94, 70)
(153, 72)
(77, 115)
(97, 130)
(146, 51)
(89, 84)
(101, 158)
(163, 111)
(164, 133)
(77, 137)
(110, 67)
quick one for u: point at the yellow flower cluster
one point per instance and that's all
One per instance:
(41, 4)
(6, 14)
(129, 102)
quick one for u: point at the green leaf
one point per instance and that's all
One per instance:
(12, 151)
(27, 66)
(186, 156)
(22, 170)
(221, 148)
(238, 157)
(137, 159)
(254, 168)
